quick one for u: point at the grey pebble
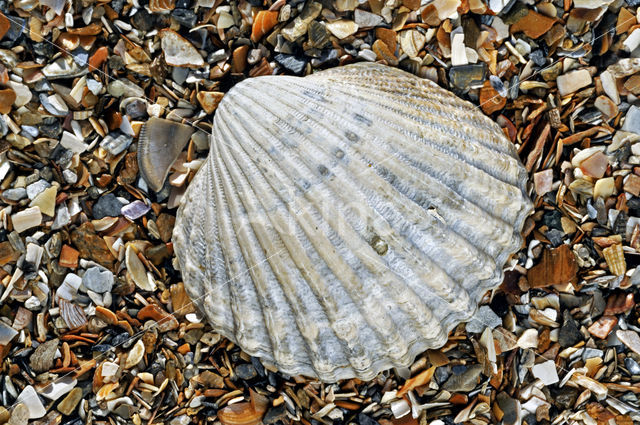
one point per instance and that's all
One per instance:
(98, 279)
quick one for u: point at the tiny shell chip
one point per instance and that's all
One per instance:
(178, 51)
(346, 221)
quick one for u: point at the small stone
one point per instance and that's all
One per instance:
(607, 106)
(69, 257)
(458, 50)
(465, 381)
(368, 55)
(246, 371)
(366, 19)
(630, 339)
(178, 51)
(14, 194)
(528, 339)
(7, 97)
(490, 100)
(446, 8)
(573, 81)
(632, 120)
(180, 301)
(209, 100)
(19, 415)
(7, 333)
(135, 355)
(137, 271)
(135, 210)
(59, 387)
(107, 206)
(274, 415)
(263, 22)
(533, 24)
(91, 246)
(42, 358)
(34, 189)
(46, 201)
(116, 145)
(299, 26)
(291, 62)
(26, 219)
(546, 372)
(185, 17)
(382, 51)
(69, 403)
(604, 188)
(632, 184)
(412, 42)
(632, 41)
(29, 397)
(569, 334)
(543, 181)
(467, 76)
(602, 327)
(595, 165)
(98, 279)
(342, 28)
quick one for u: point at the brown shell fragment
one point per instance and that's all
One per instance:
(72, 314)
(160, 143)
(615, 259)
(264, 21)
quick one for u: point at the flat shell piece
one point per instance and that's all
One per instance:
(178, 51)
(160, 143)
(346, 221)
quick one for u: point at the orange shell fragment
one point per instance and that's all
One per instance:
(264, 21)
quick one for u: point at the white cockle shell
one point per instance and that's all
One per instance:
(346, 221)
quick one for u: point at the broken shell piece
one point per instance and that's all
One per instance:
(614, 256)
(333, 230)
(137, 271)
(160, 143)
(178, 51)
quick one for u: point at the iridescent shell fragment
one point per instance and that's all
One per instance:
(346, 221)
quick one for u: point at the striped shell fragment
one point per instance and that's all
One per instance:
(347, 221)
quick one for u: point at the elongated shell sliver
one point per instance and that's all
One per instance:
(346, 221)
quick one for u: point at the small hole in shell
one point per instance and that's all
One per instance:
(379, 245)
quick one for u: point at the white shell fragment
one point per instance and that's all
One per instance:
(345, 222)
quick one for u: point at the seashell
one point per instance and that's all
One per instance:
(345, 222)
(161, 6)
(160, 143)
(614, 257)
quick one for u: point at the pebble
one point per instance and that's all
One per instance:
(7, 333)
(632, 366)
(98, 279)
(275, 414)
(246, 371)
(465, 381)
(546, 372)
(342, 28)
(292, 63)
(59, 387)
(569, 334)
(29, 397)
(632, 120)
(178, 51)
(43, 356)
(69, 403)
(107, 206)
(19, 415)
(630, 339)
(467, 76)
(365, 19)
(573, 81)
(14, 194)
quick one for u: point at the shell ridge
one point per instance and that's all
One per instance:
(290, 297)
(248, 135)
(243, 305)
(357, 176)
(426, 124)
(444, 171)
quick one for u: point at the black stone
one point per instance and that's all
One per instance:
(555, 237)
(185, 17)
(257, 365)
(569, 334)
(274, 415)
(538, 57)
(17, 27)
(115, 62)
(136, 109)
(499, 303)
(566, 397)
(61, 156)
(366, 420)
(107, 206)
(143, 20)
(620, 225)
(50, 128)
(43, 49)
(551, 219)
(291, 63)
(183, 4)
(246, 371)
(117, 5)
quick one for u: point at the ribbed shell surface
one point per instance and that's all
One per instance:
(346, 221)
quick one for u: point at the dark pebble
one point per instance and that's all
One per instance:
(143, 20)
(555, 237)
(569, 334)
(632, 366)
(466, 77)
(246, 371)
(291, 63)
(366, 420)
(274, 415)
(566, 397)
(538, 57)
(185, 17)
(107, 206)
(551, 219)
